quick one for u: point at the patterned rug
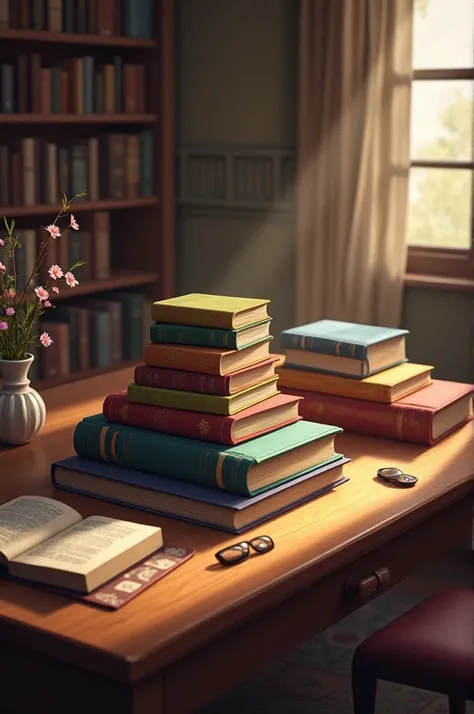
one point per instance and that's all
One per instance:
(315, 678)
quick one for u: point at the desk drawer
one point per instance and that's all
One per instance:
(234, 657)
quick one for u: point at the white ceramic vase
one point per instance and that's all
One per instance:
(22, 409)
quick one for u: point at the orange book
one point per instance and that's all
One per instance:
(206, 360)
(387, 386)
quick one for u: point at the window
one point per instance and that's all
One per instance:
(441, 203)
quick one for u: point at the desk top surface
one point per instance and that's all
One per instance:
(199, 599)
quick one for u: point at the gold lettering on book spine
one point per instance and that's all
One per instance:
(219, 470)
(103, 435)
(113, 446)
(204, 427)
(159, 418)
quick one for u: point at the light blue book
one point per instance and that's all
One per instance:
(345, 348)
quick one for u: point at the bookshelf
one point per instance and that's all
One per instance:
(81, 95)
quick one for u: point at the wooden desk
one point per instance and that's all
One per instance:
(204, 628)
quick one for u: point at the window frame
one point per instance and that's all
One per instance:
(444, 262)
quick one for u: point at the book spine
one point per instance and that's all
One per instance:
(189, 461)
(181, 380)
(192, 425)
(101, 343)
(191, 316)
(166, 356)
(324, 345)
(312, 381)
(403, 423)
(199, 336)
(171, 399)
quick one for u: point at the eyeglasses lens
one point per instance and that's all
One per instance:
(262, 544)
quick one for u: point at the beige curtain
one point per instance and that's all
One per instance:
(355, 59)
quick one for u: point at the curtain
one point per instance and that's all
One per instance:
(354, 87)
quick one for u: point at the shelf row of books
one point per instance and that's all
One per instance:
(90, 244)
(77, 85)
(111, 166)
(359, 377)
(203, 433)
(130, 18)
(93, 332)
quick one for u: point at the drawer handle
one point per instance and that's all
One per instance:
(366, 586)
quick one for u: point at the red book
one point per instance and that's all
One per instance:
(205, 383)
(269, 415)
(424, 417)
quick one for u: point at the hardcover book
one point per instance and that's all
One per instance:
(197, 504)
(209, 403)
(165, 332)
(424, 417)
(387, 386)
(206, 360)
(344, 348)
(224, 385)
(272, 414)
(246, 469)
(48, 542)
(203, 310)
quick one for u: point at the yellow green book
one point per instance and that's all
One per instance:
(203, 310)
(207, 403)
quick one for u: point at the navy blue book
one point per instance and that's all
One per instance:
(347, 349)
(184, 501)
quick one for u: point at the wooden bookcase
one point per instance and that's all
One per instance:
(142, 229)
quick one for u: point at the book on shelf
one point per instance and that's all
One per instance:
(179, 379)
(188, 502)
(48, 542)
(93, 333)
(344, 348)
(111, 18)
(247, 469)
(109, 166)
(266, 416)
(214, 311)
(208, 403)
(387, 386)
(207, 360)
(75, 85)
(424, 417)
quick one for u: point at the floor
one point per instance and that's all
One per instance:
(315, 678)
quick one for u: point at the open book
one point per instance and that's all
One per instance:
(48, 542)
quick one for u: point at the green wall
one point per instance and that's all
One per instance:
(236, 133)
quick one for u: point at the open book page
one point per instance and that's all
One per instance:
(29, 520)
(89, 544)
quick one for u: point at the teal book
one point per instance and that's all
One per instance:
(247, 469)
(147, 180)
(101, 339)
(347, 349)
(171, 333)
(88, 85)
(343, 339)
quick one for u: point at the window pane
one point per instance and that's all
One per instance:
(440, 208)
(441, 120)
(443, 34)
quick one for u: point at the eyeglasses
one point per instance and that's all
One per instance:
(234, 554)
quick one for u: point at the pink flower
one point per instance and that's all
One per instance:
(47, 303)
(74, 224)
(2, 268)
(55, 289)
(11, 293)
(3, 325)
(53, 231)
(2, 242)
(71, 280)
(45, 339)
(56, 272)
(10, 311)
(42, 293)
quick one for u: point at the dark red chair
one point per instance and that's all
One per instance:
(430, 647)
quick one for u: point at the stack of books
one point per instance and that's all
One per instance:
(358, 377)
(203, 433)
